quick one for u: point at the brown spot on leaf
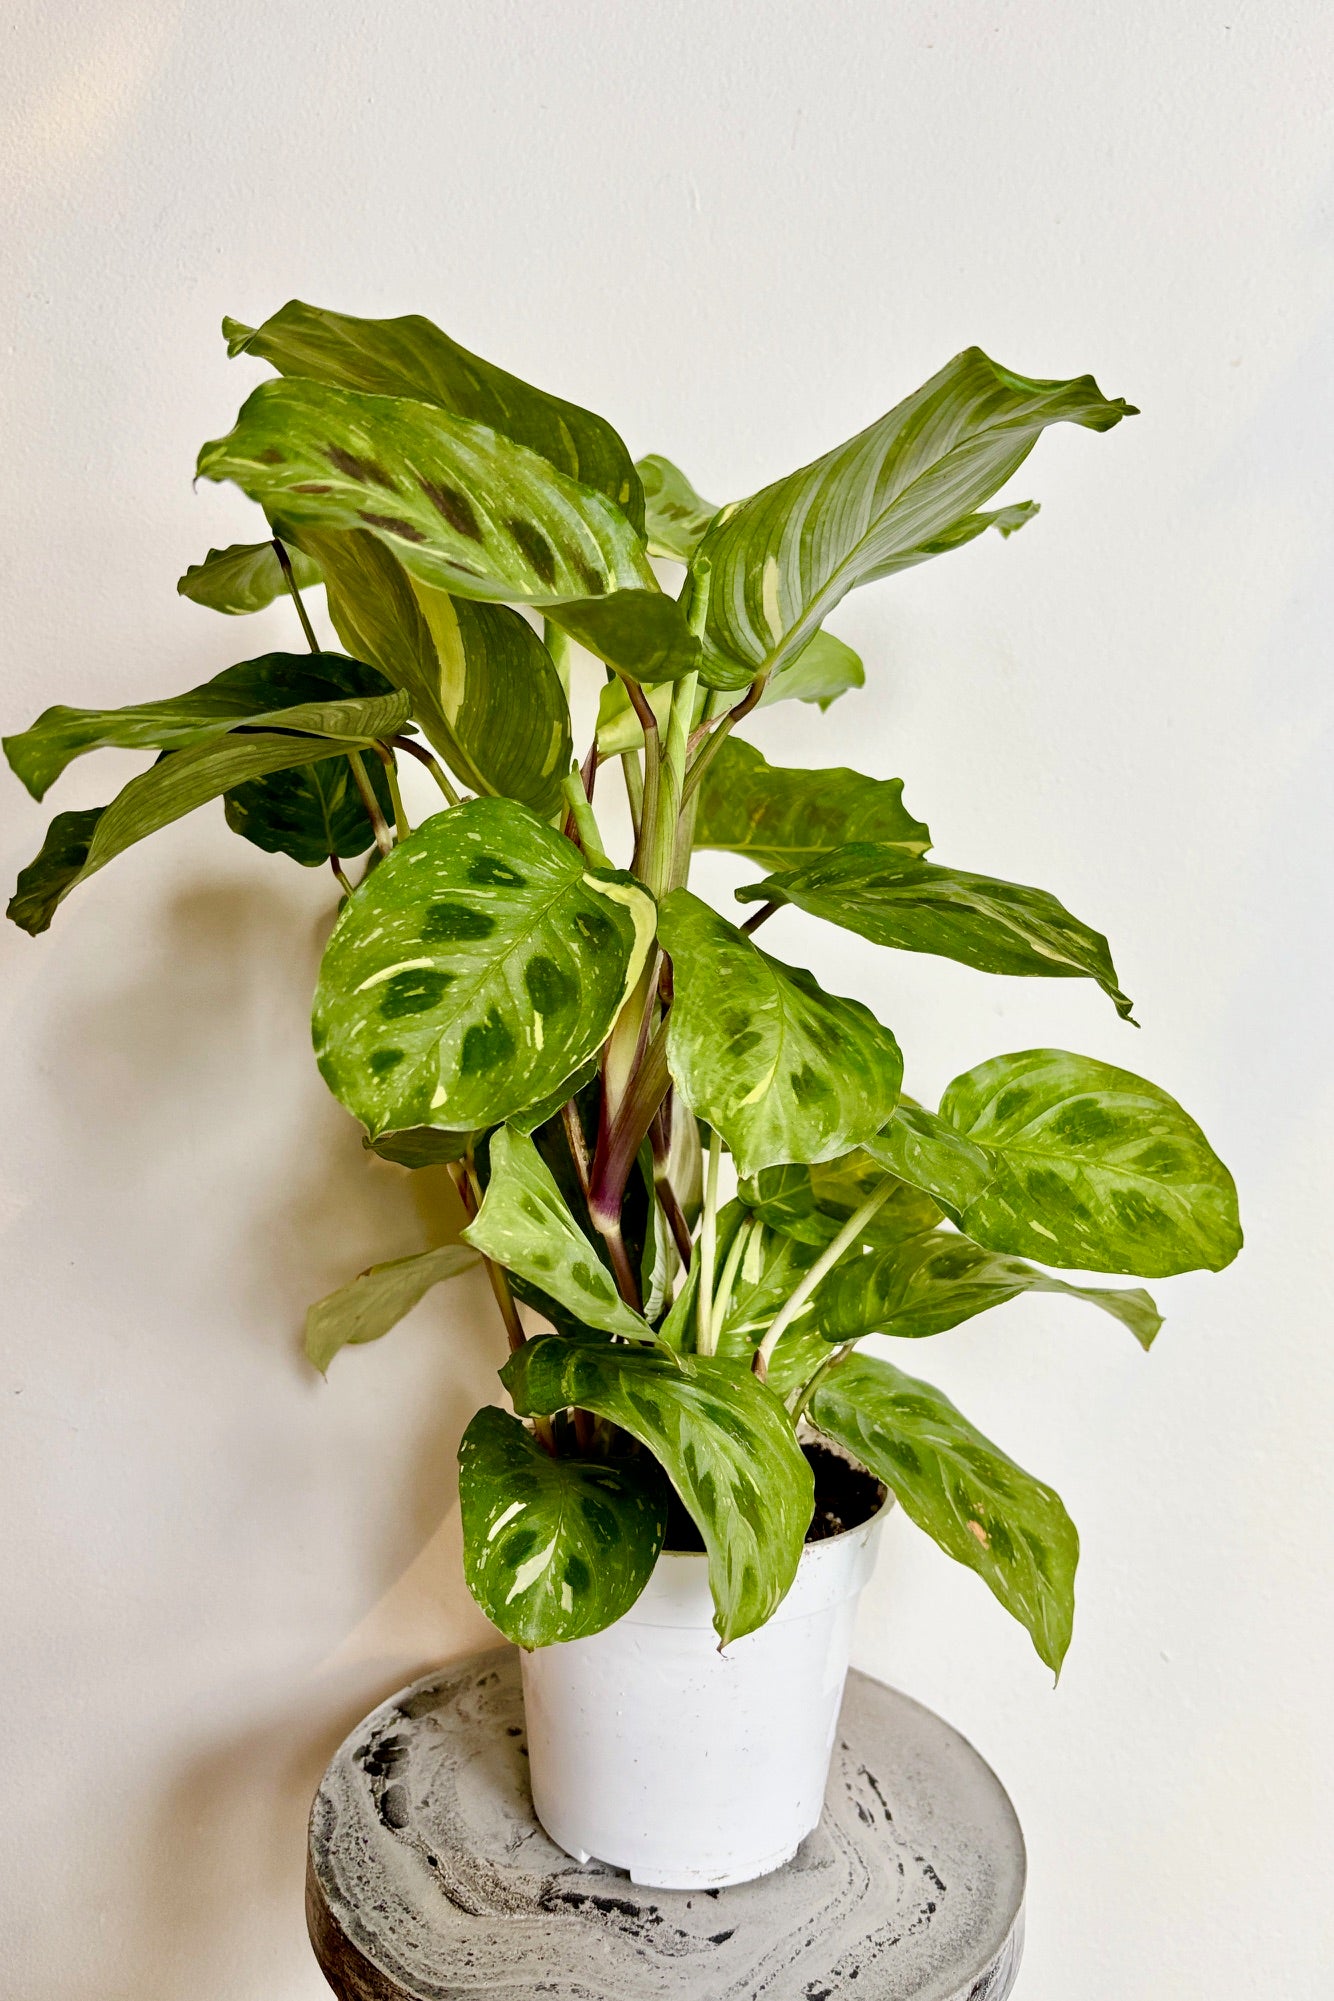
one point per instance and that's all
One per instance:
(311, 486)
(456, 508)
(270, 456)
(364, 470)
(976, 1529)
(392, 525)
(594, 583)
(535, 547)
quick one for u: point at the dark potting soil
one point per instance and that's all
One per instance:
(845, 1497)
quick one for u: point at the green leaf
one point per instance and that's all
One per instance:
(410, 357)
(256, 693)
(479, 967)
(1092, 1167)
(770, 570)
(377, 1299)
(999, 927)
(771, 1268)
(824, 669)
(781, 817)
(783, 1070)
(921, 1149)
(814, 1203)
(674, 515)
(971, 1499)
(554, 1549)
(724, 1439)
(245, 577)
(619, 728)
(420, 1146)
(310, 813)
(641, 632)
(525, 1225)
(923, 1285)
(184, 779)
(47, 879)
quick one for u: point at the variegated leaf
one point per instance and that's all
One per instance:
(784, 817)
(554, 1549)
(377, 1299)
(971, 1499)
(883, 894)
(477, 968)
(814, 1203)
(1091, 1167)
(928, 1154)
(781, 1069)
(771, 569)
(310, 813)
(409, 357)
(245, 577)
(725, 1440)
(674, 515)
(525, 1224)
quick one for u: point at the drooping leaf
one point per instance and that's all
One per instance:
(49, 877)
(377, 1299)
(461, 506)
(814, 1203)
(922, 1150)
(309, 814)
(782, 817)
(184, 779)
(1092, 1167)
(525, 1224)
(772, 569)
(245, 577)
(971, 1499)
(674, 515)
(925, 1284)
(724, 1439)
(420, 1146)
(783, 1070)
(554, 1549)
(824, 669)
(889, 897)
(263, 693)
(641, 632)
(479, 967)
(412, 358)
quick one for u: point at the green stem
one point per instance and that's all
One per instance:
(710, 749)
(758, 917)
(722, 1298)
(384, 840)
(402, 826)
(337, 868)
(585, 823)
(826, 1261)
(708, 1247)
(633, 773)
(801, 1401)
(285, 565)
(436, 769)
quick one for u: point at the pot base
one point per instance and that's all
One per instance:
(429, 1872)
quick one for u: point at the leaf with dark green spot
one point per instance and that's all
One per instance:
(554, 1549)
(725, 1440)
(461, 507)
(813, 1203)
(310, 813)
(525, 1225)
(781, 817)
(420, 1146)
(49, 877)
(925, 1284)
(783, 1070)
(1091, 1167)
(883, 894)
(641, 632)
(971, 1499)
(245, 578)
(409, 357)
(770, 570)
(771, 1268)
(377, 1299)
(922, 1150)
(675, 517)
(475, 971)
(263, 693)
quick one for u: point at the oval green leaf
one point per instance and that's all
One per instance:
(377, 1299)
(310, 813)
(554, 1549)
(478, 967)
(675, 516)
(245, 577)
(814, 1203)
(783, 817)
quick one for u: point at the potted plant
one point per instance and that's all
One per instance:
(675, 1517)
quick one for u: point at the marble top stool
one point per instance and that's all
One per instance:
(429, 1878)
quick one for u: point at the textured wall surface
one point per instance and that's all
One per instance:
(742, 231)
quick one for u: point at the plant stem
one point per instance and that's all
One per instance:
(402, 826)
(578, 1145)
(581, 814)
(675, 1215)
(337, 868)
(709, 750)
(285, 565)
(464, 1177)
(633, 773)
(722, 1298)
(801, 1398)
(826, 1261)
(626, 1282)
(436, 769)
(708, 1246)
(758, 917)
(384, 840)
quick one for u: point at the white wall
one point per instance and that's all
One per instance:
(742, 231)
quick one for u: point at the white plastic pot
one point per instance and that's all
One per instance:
(690, 1768)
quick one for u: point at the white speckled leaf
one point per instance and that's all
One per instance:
(922, 1149)
(525, 1224)
(771, 569)
(1091, 1167)
(783, 1070)
(473, 971)
(813, 1203)
(554, 1549)
(781, 817)
(971, 1499)
(726, 1443)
